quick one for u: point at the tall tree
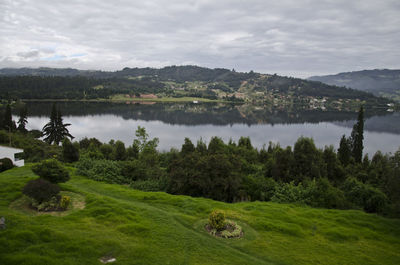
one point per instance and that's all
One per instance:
(344, 151)
(55, 130)
(23, 119)
(7, 119)
(357, 136)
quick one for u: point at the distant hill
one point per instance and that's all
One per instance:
(380, 82)
(177, 82)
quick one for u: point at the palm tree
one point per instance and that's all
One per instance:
(55, 130)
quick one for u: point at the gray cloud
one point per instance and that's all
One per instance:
(298, 38)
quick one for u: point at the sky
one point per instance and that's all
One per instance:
(297, 38)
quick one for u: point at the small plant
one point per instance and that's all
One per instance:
(233, 230)
(51, 170)
(64, 202)
(51, 205)
(216, 220)
(41, 190)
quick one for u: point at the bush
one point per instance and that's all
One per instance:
(5, 164)
(64, 202)
(41, 190)
(51, 170)
(216, 220)
(51, 205)
(101, 170)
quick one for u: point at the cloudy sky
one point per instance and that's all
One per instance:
(290, 37)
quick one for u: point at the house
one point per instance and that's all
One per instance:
(14, 154)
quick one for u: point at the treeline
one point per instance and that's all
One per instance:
(302, 87)
(233, 172)
(57, 87)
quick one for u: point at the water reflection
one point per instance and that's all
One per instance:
(172, 122)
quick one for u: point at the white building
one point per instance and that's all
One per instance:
(12, 153)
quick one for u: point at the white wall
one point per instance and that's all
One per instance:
(9, 153)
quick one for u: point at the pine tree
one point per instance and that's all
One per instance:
(23, 114)
(55, 130)
(357, 137)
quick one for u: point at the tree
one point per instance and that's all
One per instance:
(70, 152)
(7, 119)
(51, 170)
(23, 115)
(187, 147)
(357, 136)
(120, 151)
(344, 151)
(55, 130)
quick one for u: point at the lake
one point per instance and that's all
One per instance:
(171, 123)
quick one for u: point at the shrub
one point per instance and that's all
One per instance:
(101, 170)
(52, 170)
(51, 205)
(5, 164)
(234, 231)
(41, 190)
(64, 202)
(216, 220)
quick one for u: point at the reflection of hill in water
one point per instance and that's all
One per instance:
(196, 114)
(389, 123)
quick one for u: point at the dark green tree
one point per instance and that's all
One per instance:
(120, 151)
(70, 152)
(187, 147)
(7, 119)
(23, 119)
(357, 137)
(55, 130)
(344, 151)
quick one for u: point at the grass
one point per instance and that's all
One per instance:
(157, 228)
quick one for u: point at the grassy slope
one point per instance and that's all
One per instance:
(157, 228)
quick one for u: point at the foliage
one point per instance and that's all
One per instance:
(40, 190)
(216, 220)
(52, 204)
(23, 119)
(357, 136)
(69, 151)
(236, 230)
(55, 131)
(5, 164)
(65, 201)
(51, 170)
(101, 170)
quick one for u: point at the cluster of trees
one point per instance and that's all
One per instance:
(54, 132)
(234, 172)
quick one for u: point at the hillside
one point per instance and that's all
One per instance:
(186, 83)
(380, 82)
(156, 228)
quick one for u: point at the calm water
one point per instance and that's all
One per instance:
(171, 123)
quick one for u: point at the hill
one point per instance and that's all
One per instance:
(380, 82)
(156, 228)
(179, 82)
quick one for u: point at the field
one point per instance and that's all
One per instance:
(156, 228)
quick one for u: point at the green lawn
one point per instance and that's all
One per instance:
(156, 228)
